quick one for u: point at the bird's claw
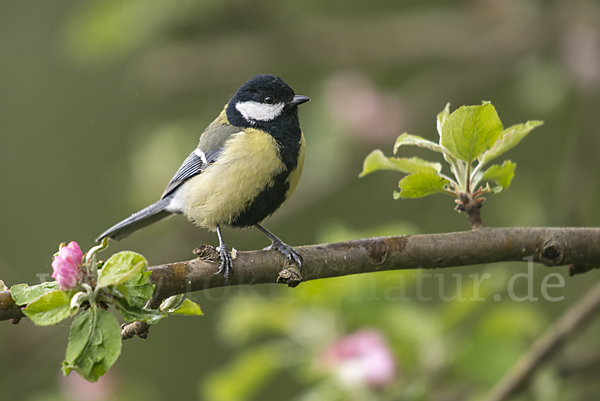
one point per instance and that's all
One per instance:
(290, 253)
(226, 266)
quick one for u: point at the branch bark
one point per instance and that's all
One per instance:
(577, 247)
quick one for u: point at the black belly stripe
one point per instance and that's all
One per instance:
(265, 204)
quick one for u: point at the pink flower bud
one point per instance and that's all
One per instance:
(361, 358)
(71, 253)
(65, 266)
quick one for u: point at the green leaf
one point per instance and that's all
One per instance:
(509, 138)
(50, 308)
(121, 291)
(470, 131)
(441, 119)
(133, 313)
(171, 303)
(136, 290)
(121, 267)
(420, 184)
(414, 140)
(188, 308)
(24, 294)
(94, 344)
(376, 160)
(502, 175)
(174, 305)
(77, 300)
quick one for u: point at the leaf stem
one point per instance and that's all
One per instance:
(476, 170)
(468, 178)
(456, 170)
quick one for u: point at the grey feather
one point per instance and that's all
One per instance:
(215, 136)
(192, 165)
(153, 213)
(211, 143)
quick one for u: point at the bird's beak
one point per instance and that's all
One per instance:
(299, 99)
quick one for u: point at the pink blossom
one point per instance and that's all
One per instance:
(370, 114)
(361, 358)
(66, 266)
(75, 388)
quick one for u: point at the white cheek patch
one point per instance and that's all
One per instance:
(255, 111)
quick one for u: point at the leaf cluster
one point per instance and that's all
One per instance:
(469, 138)
(95, 335)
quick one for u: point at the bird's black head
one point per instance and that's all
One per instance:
(265, 100)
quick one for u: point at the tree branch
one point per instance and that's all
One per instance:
(546, 346)
(578, 247)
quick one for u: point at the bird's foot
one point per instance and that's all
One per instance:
(226, 266)
(290, 253)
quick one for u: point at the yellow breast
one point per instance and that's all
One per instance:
(220, 193)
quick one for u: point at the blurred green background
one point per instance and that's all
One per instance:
(100, 101)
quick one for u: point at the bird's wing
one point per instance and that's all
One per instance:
(208, 151)
(192, 165)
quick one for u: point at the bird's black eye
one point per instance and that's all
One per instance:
(269, 100)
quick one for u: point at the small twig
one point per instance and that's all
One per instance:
(470, 205)
(547, 345)
(474, 214)
(139, 329)
(8, 309)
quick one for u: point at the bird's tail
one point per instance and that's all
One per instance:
(153, 213)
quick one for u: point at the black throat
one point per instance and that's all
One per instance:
(285, 129)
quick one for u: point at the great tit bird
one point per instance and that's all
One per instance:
(248, 162)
